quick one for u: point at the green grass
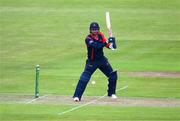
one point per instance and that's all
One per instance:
(137, 86)
(89, 113)
(51, 33)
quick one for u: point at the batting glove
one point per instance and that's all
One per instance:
(113, 41)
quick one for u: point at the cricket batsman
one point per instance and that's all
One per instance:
(95, 43)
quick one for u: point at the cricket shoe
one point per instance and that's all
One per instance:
(76, 99)
(113, 96)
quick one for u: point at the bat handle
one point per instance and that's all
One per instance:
(110, 33)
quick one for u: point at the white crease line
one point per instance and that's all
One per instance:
(121, 88)
(80, 106)
(36, 99)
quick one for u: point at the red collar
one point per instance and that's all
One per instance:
(95, 37)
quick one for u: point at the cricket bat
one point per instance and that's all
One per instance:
(108, 24)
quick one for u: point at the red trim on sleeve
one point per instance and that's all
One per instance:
(103, 37)
(108, 45)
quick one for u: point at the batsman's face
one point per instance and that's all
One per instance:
(94, 31)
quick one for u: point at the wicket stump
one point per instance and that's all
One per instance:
(37, 81)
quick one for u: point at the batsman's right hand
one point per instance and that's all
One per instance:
(113, 41)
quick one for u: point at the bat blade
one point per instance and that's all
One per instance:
(108, 24)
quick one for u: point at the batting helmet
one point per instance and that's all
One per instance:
(94, 26)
